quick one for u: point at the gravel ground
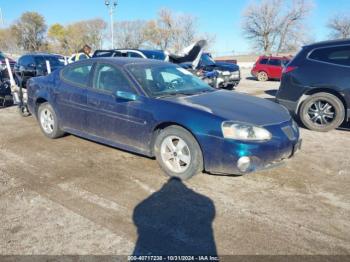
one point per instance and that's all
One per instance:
(74, 196)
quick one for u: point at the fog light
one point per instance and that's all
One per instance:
(244, 163)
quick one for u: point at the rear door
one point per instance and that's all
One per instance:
(71, 100)
(275, 68)
(112, 118)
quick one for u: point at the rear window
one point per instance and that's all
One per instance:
(275, 62)
(77, 74)
(339, 55)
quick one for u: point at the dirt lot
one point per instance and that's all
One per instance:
(73, 196)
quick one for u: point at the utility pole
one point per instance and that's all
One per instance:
(111, 5)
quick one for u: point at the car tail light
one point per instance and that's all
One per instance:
(288, 69)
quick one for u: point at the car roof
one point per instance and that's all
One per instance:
(42, 54)
(122, 61)
(330, 43)
(275, 57)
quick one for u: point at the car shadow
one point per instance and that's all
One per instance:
(175, 221)
(251, 78)
(271, 92)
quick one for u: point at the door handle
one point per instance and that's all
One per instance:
(93, 102)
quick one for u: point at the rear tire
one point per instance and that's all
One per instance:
(322, 112)
(48, 121)
(178, 153)
(262, 76)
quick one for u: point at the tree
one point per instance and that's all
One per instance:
(73, 37)
(57, 38)
(130, 34)
(30, 31)
(339, 26)
(172, 31)
(275, 25)
(8, 41)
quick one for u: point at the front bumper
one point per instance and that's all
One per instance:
(221, 155)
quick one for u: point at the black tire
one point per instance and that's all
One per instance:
(56, 132)
(195, 165)
(337, 110)
(262, 76)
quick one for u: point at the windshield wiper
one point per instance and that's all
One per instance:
(175, 94)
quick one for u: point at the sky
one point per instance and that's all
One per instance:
(221, 18)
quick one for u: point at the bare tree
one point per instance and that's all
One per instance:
(260, 23)
(291, 27)
(69, 39)
(273, 24)
(30, 31)
(339, 26)
(173, 31)
(130, 34)
(8, 40)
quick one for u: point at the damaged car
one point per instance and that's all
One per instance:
(158, 109)
(216, 74)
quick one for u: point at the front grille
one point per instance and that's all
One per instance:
(288, 130)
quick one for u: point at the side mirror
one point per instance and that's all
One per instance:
(126, 95)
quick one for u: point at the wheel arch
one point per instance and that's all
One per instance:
(163, 125)
(322, 90)
(38, 102)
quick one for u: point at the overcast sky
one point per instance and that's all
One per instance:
(221, 17)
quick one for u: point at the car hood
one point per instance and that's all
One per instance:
(222, 66)
(237, 107)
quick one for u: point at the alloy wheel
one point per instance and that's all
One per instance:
(321, 112)
(47, 121)
(175, 153)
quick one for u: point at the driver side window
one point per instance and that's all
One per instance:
(110, 79)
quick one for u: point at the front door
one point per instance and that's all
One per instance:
(109, 117)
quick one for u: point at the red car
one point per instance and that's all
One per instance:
(269, 67)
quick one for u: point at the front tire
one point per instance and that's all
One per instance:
(178, 153)
(322, 112)
(48, 121)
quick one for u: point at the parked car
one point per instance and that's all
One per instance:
(269, 67)
(315, 85)
(216, 74)
(134, 53)
(3, 69)
(34, 64)
(226, 60)
(227, 76)
(160, 110)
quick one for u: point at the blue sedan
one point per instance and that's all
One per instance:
(161, 110)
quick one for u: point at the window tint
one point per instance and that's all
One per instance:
(110, 79)
(26, 60)
(339, 55)
(53, 60)
(135, 55)
(78, 74)
(263, 61)
(275, 62)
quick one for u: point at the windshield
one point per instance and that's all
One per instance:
(55, 61)
(167, 80)
(207, 60)
(158, 55)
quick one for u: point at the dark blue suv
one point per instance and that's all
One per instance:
(315, 85)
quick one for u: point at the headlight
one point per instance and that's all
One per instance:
(241, 131)
(226, 73)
